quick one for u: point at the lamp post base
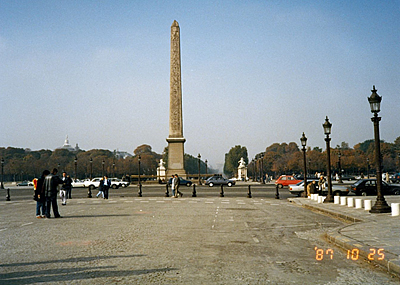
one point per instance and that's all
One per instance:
(329, 199)
(380, 207)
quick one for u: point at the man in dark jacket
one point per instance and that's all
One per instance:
(40, 196)
(51, 183)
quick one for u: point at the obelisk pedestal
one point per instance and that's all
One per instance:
(176, 160)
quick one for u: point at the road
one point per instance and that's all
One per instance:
(158, 240)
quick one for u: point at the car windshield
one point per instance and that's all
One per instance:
(358, 182)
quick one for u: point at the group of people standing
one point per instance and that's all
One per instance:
(46, 190)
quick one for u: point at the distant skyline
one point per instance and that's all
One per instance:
(253, 73)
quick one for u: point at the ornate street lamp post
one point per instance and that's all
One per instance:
(327, 130)
(303, 140)
(89, 194)
(76, 166)
(206, 167)
(140, 183)
(102, 169)
(113, 168)
(375, 103)
(199, 157)
(2, 173)
(340, 167)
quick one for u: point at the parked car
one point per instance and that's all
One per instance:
(395, 178)
(182, 181)
(78, 183)
(116, 183)
(298, 189)
(219, 180)
(25, 183)
(286, 180)
(346, 177)
(93, 184)
(366, 187)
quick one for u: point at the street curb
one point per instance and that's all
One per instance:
(391, 262)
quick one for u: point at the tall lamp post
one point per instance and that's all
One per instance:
(340, 167)
(76, 166)
(140, 183)
(113, 168)
(89, 194)
(375, 103)
(303, 140)
(199, 157)
(2, 173)
(102, 169)
(206, 167)
(327, 130)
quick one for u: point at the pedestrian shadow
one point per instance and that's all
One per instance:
(73, 259)
(70, 272)
(95, 216)
(68, 275)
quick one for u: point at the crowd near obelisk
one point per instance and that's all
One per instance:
(176, 162)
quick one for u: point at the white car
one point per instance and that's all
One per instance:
(92, 184)
(298, 189)
(116, 183)
(78, 183)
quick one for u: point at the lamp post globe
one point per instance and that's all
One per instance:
(327, 130)
(375, 104)
(303, 141)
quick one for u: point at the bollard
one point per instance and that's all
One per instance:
(350, 202)
(8, 195)
(343, 201)
(194, 191)
(166, 190)
(277, 192)
(221, 194)
(316, 197)
(89, 193)
(140, 190)
(336, 200)
(367, 205)
(358, 203)
(320, 200)
(249, 193)
(395, 209)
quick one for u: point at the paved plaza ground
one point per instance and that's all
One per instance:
(160, 240)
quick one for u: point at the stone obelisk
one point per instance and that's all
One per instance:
(176, 161)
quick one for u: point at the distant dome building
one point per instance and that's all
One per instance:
(67, 146)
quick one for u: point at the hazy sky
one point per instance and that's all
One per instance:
(253, 73)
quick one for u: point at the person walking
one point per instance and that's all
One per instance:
(321, 184)
(65, 188)
(177, 183)
(101, 187)
(51, 183)
(173, 186)
(40, 196)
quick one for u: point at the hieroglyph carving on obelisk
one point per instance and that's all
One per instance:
(176, 162)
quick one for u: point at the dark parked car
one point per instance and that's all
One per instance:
(366, 187)
(182, 181)
(219, 180)
(25, 183)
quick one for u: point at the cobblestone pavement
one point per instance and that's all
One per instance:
(157, 240)
(368, 232)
